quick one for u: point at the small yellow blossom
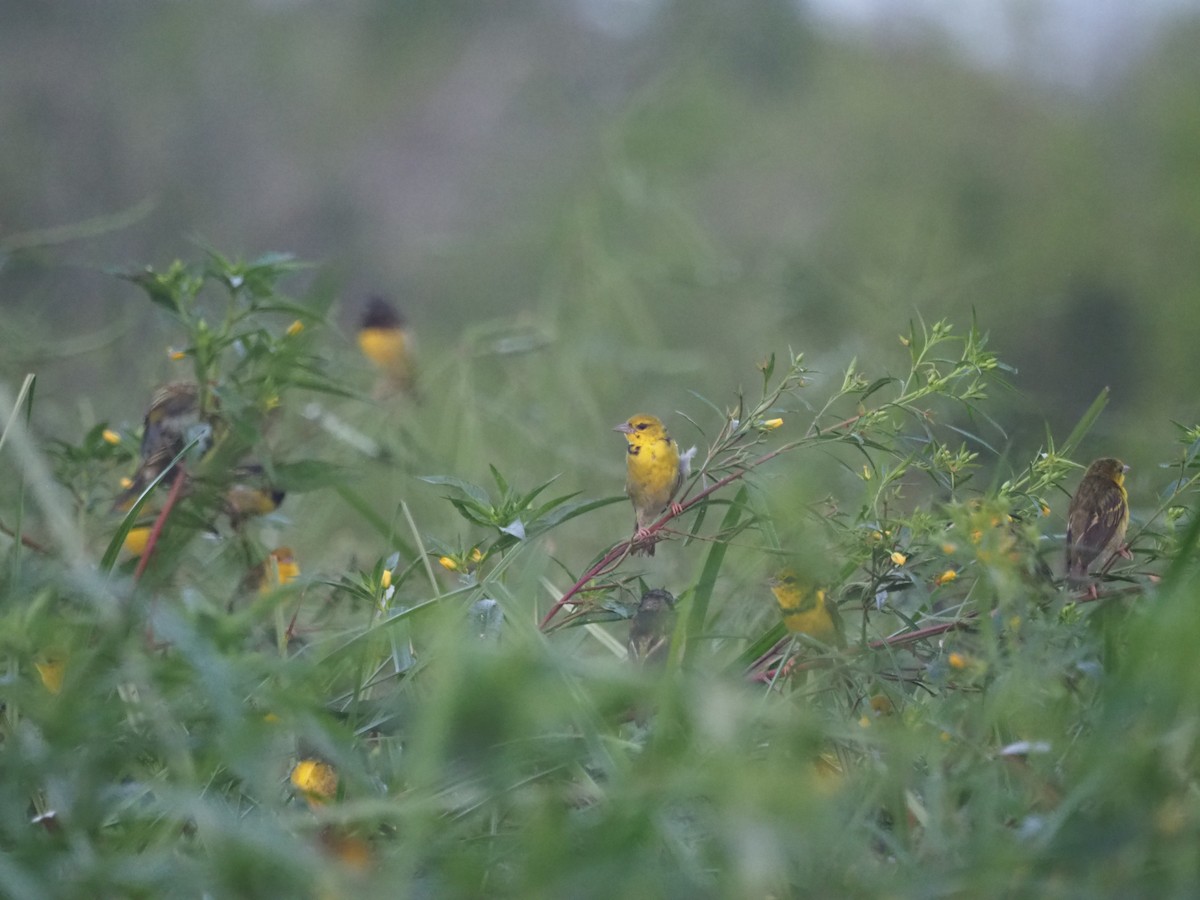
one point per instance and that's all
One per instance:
(316, 780)
(957, 661)
(176, 355)
(385, 580)
(476, 555)
(137, 539)
(448, 564)
(295, 328)
(126, 483)
(949, 548)
(903, 340)
(110, 436)
(864, 722)
(1045, 510)
(771, 424)
(867, 475)
(945, 578)
(899, 558)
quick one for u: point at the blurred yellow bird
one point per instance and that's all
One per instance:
(653, 474)
(1097, 517)
(807, 609)
(251, 494)
(384, 339)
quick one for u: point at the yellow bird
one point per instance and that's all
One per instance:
(806, 609)
(251, 494)
(1097, 517)
(384, 338)
(650, 628)
(653, 474)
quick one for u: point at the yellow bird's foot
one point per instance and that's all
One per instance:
(676, 509)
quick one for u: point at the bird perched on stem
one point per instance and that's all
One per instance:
(650, 628)
(384, 338)
(807, 609)
(653, 474)
(1097, 517)
(174, 412)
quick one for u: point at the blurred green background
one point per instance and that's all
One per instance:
(664, 191)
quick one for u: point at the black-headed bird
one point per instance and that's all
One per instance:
(385, 339)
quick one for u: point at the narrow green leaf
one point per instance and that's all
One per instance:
(474, 491)
(698, 614)
(1085, 424)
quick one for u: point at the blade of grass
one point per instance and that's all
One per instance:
(708, 577)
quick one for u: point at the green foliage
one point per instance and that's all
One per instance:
(454, 714)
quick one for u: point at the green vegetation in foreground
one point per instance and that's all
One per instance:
(453, 715)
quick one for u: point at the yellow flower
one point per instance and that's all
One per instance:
(176, 355)
(295, 328)
(110, 436)
(899, 558)
(771, 424)
(957, 661)
(136, 540)
(945, 578)
(316, 780)
(448, 564)
(385, 580)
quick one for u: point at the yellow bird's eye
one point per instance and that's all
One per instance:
(642, 426)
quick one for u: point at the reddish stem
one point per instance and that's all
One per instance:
(156, 529)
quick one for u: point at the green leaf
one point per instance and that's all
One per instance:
(1085, 424)
(698, 614)
(474, 491)
(499, 479)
